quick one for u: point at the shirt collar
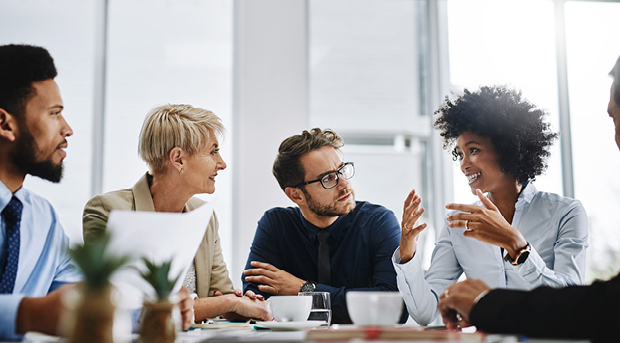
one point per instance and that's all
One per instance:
(6, 195)
(527, 193)
(337, 229)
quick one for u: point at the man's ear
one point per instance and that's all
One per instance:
(296, 195)
(8, 125)
(177, 157)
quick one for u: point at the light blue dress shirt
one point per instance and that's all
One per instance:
(556, 228)
(44, 263)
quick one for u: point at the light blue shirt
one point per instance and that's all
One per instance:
(556, 228)
(44, 263)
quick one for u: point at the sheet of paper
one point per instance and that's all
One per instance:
(159, 237)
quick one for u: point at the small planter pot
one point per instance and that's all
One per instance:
(94, 316)
(160, 321)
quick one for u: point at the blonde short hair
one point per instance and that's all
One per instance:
(169, 126)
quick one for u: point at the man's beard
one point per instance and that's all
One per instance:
(24, 157)
(330, 210)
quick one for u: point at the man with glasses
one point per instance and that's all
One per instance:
(329, 242)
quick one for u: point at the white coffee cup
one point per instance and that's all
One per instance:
(374, 308)
(291, 308)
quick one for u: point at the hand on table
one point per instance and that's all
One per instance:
(42, 313)
(412, 211)
(273, 280)
(486, 224)
(238, 293)
(251, 308)
(186, 305)
(456, 302)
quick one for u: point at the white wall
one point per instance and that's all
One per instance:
(270, 103)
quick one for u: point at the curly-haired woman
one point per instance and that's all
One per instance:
(515, 236)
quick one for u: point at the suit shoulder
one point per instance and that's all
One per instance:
(282, 212)
(375, 218)
(279, 217)
(374, 210)
(122, 199)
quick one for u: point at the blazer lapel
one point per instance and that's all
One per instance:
(202, 260)
(142, 195)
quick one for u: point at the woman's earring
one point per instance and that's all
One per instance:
(181, 171)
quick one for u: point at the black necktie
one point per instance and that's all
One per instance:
(12, 215)
(325, 273)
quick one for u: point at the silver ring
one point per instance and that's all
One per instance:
(466, 228)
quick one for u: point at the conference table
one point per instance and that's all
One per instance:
(241, 332)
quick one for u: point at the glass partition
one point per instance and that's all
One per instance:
(66, 29)
(489, 44)
(591, 53)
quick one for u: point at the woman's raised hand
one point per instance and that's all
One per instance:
(412, 211)
(486, 224)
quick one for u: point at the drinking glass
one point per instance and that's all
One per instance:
(321, 306)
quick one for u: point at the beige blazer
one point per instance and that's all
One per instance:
(211, 272)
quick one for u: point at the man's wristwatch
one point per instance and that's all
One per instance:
(309, 286)
(521, 257)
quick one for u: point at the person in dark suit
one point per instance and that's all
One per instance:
(573, 312)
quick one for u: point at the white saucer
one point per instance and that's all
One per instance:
(291, 326)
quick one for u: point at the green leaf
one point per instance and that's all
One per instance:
(157, 276)
(96, 265)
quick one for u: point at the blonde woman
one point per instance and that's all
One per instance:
(180, 145)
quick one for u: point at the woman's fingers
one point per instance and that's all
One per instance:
(408, 200)
(412, 213)
(485, 201)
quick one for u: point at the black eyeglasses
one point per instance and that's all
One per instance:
(330, 180)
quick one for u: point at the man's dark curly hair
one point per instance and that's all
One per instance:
(20, 66)
(515, 126)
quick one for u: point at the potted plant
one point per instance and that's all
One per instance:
(94, 315)
(159, 323)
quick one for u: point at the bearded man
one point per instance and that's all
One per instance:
(34, 263)
(329, 242)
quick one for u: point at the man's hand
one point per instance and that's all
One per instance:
(456, 302)
(41, 314)
(273, 280)
(410, 228)
(186, 305)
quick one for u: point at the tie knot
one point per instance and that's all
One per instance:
(323, 235)
(13, 211)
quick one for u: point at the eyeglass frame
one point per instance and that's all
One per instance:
(338, 172)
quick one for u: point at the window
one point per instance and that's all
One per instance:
(369, 68)
(489, 45)
(66, 30)
(158, 52)
(591, 53)
(172, 52)
(365, 84)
